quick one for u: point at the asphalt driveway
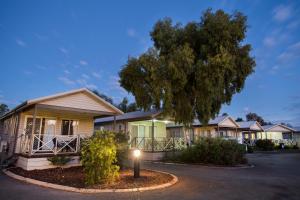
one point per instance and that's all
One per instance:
(275, 176)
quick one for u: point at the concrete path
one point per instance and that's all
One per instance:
(275, 176)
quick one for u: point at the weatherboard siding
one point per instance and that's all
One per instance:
(78, 100)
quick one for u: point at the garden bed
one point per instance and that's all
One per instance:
(74, 177)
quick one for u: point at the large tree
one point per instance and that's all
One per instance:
(255, 117)
(3, 109)
(125, 106)
(191, 70)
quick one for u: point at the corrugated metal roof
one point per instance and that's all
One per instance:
(247, 124)
(196, 122)
(130, 116)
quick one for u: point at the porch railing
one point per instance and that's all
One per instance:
(50, 144)
(276, 142)
(159, 143)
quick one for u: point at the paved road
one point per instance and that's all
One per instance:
(275, 176)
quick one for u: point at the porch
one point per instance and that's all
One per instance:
(46, 145)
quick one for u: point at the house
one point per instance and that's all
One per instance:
(250, 131)
(52, 125)
(146, 130)
(278, 133)
(221, 126)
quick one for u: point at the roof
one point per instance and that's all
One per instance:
(274, 126)
(136, 115)
(249, 125)
(214, 121)
(38, 100)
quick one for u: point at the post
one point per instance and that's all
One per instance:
(33, 130)
(136, 163)
(114, 123)
(152, 136)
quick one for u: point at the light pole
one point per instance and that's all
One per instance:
(136, 163)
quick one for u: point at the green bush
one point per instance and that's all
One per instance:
(59, 160)
(98, 156)
(121, 140)
(214, 151)
(265, 145)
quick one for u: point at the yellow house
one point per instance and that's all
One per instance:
(51, 125)
(278, 133)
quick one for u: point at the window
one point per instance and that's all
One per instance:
(221, 133)
(69, 127)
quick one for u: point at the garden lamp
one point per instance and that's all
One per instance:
(136, 163)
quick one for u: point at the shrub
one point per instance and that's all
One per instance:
(265, 145)
(59, 160)
(121, 140)
(214, 151)
(98, 156)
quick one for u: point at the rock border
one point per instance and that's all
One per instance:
(85, 190)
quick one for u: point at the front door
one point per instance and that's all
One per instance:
(141, 136)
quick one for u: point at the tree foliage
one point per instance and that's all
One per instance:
(3, 109)
(239, 119)
(191, 70)
(255, 117)
(125, 106)
(98, 156)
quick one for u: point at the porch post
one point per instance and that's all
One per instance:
(33, 130)
(152, 136)
(218, 131)
(114, 123)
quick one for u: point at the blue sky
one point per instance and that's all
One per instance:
(54, 46)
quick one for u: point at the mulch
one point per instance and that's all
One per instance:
(74, 177)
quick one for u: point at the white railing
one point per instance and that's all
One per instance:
(50, 144)
(289, 142)
(158, 144)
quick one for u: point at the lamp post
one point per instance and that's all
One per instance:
(136, 163)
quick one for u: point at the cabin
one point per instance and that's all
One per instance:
(250, 131)
(279, 134)
(222, 126)
(53, 125)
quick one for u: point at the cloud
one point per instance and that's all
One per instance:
(131, 32)
(84, 83)
(269, 41)
(21, 43)
(246, 109)
(85, 76)
(291, 53)
(96, 75)
(40, 37)
(67, 71)
(63, 50)
(115, 85)
(66, 80)
(83, 62)
(27, 72)
(281, 13)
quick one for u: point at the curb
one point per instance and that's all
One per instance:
(83, 190)
(200, 165)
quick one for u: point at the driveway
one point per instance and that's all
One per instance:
(275, 176)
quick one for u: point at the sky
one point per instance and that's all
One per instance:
(54, 46)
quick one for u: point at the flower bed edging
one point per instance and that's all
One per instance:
(84, 190)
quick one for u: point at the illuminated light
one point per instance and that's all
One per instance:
(137, 153)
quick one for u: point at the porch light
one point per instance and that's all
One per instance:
(136, 163)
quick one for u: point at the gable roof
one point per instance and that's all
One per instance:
(251, 125)
(133, 116)
(59, 95)
(278, 128)
(216, 121)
